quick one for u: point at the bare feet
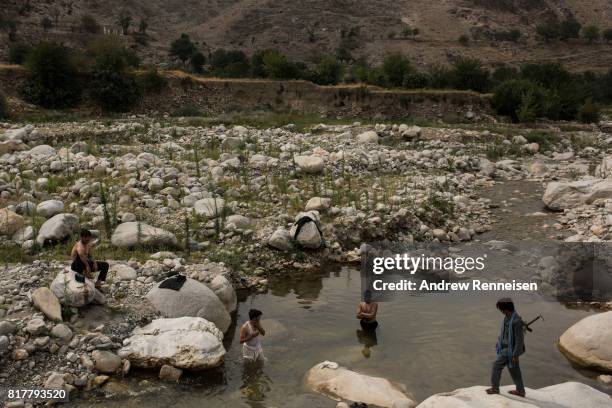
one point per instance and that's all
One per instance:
(492, 391)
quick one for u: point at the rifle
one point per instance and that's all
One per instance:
(526, 325)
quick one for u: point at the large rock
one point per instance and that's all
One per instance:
(225, 292)
(565, 395)
(124, 272)
(559, 196)
(134, 234)
(193, 299)
(10, 222)
(210, 207)
(57, 228)
(589, 342)
(49, 208)
(308, 235)
(310, 164)
(42, 151)
(47, 303)
(185, 342)
(10, 146)
(604, 170)
(339, 383)
(72, 293)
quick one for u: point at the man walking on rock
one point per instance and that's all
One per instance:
(510, 345)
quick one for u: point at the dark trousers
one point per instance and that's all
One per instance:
(515, 372)
(79, 267)
(368, 326)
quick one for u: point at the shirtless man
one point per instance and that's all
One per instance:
(82, 260)
(366, 312)
(249, 337)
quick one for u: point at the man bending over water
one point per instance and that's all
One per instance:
(83, 263)
(249, 337)
(366, 312)
(510, 345)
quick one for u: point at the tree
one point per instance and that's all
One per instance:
(569, 28)
(549, 31)
(232, 63)
(197, 62)
(46, 23)
(142, 26)
(112, 86)
(182, 48)
(52, 77)
(329, 71)
(518, 96)
(589, 112)
(395, 67)
(124, 21)
(591, 33)
(607, 35)
(468, 73)
(278, 66)
(89, 24)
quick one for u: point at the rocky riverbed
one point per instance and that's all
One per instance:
(229, 207)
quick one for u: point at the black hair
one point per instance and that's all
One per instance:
(505, 305)
(85, 233)
(367, 295)
(254, 313)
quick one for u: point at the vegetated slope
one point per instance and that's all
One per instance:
(303, 28)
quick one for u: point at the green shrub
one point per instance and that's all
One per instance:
(329, 71)
(416, 80)
(569, 28)
(549, 31)
(89, 24)
(518, 96)
(53, 80)
(182, 48)
(197, 62)
(152, 82)
(468, 73)
(233, 64)
(278, 66)
(591, 33)
(18, 53)
(395, 66)
(589, 112)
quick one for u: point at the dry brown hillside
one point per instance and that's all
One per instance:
(301, 28)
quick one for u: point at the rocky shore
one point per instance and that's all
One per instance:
(228, 207)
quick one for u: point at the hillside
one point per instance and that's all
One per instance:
(302, 28)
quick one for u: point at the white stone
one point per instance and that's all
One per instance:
(210, 207)
(185, 342)
(44, 299)
(124, 272)
(589, 342)
(310, 164)
(57, 228)
(367, 137)
(280, 239)
(133, 234)
(560, 195)
(49, 208)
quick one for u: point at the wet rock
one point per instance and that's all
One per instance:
(134, 234)
(47, 303)
(10, 222)
(57, 228)
(193, 299)
(338, 383)
(106, 362)
(588, 343)
(565, 395)
(186, 342)
(169, 373)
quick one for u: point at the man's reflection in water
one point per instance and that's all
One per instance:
(368, 339)
(255, 383)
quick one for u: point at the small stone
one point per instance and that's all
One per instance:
(169, 373)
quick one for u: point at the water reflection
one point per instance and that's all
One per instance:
(255, 383)
(369, 339)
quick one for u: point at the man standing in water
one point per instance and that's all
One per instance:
(249, 337)
(366, 312)
(83, 263)
(510, 345)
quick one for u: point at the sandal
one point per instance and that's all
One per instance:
(492, 391)
(518, 394)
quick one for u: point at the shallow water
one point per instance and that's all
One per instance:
(431, 343)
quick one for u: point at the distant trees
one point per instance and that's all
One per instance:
(46, 23)
(549, 30)
(52, 76)
(329, 71)
(232, 63)
(569, 28)
(591, 33)
(89, 24)
(182, 48)
(468, 73)
(607, 35)
(197, 62)
(395, 66)
(124, 20)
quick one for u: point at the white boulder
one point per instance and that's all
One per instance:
(367, 137)
(133, 234)
(339, 383)
(589, 342)
(186, 342)
(49, 208)
(224, 290)
(310, 164)
(57, 228)
(10, 222)
(75, 294)
(559, 196)
(210, 207)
